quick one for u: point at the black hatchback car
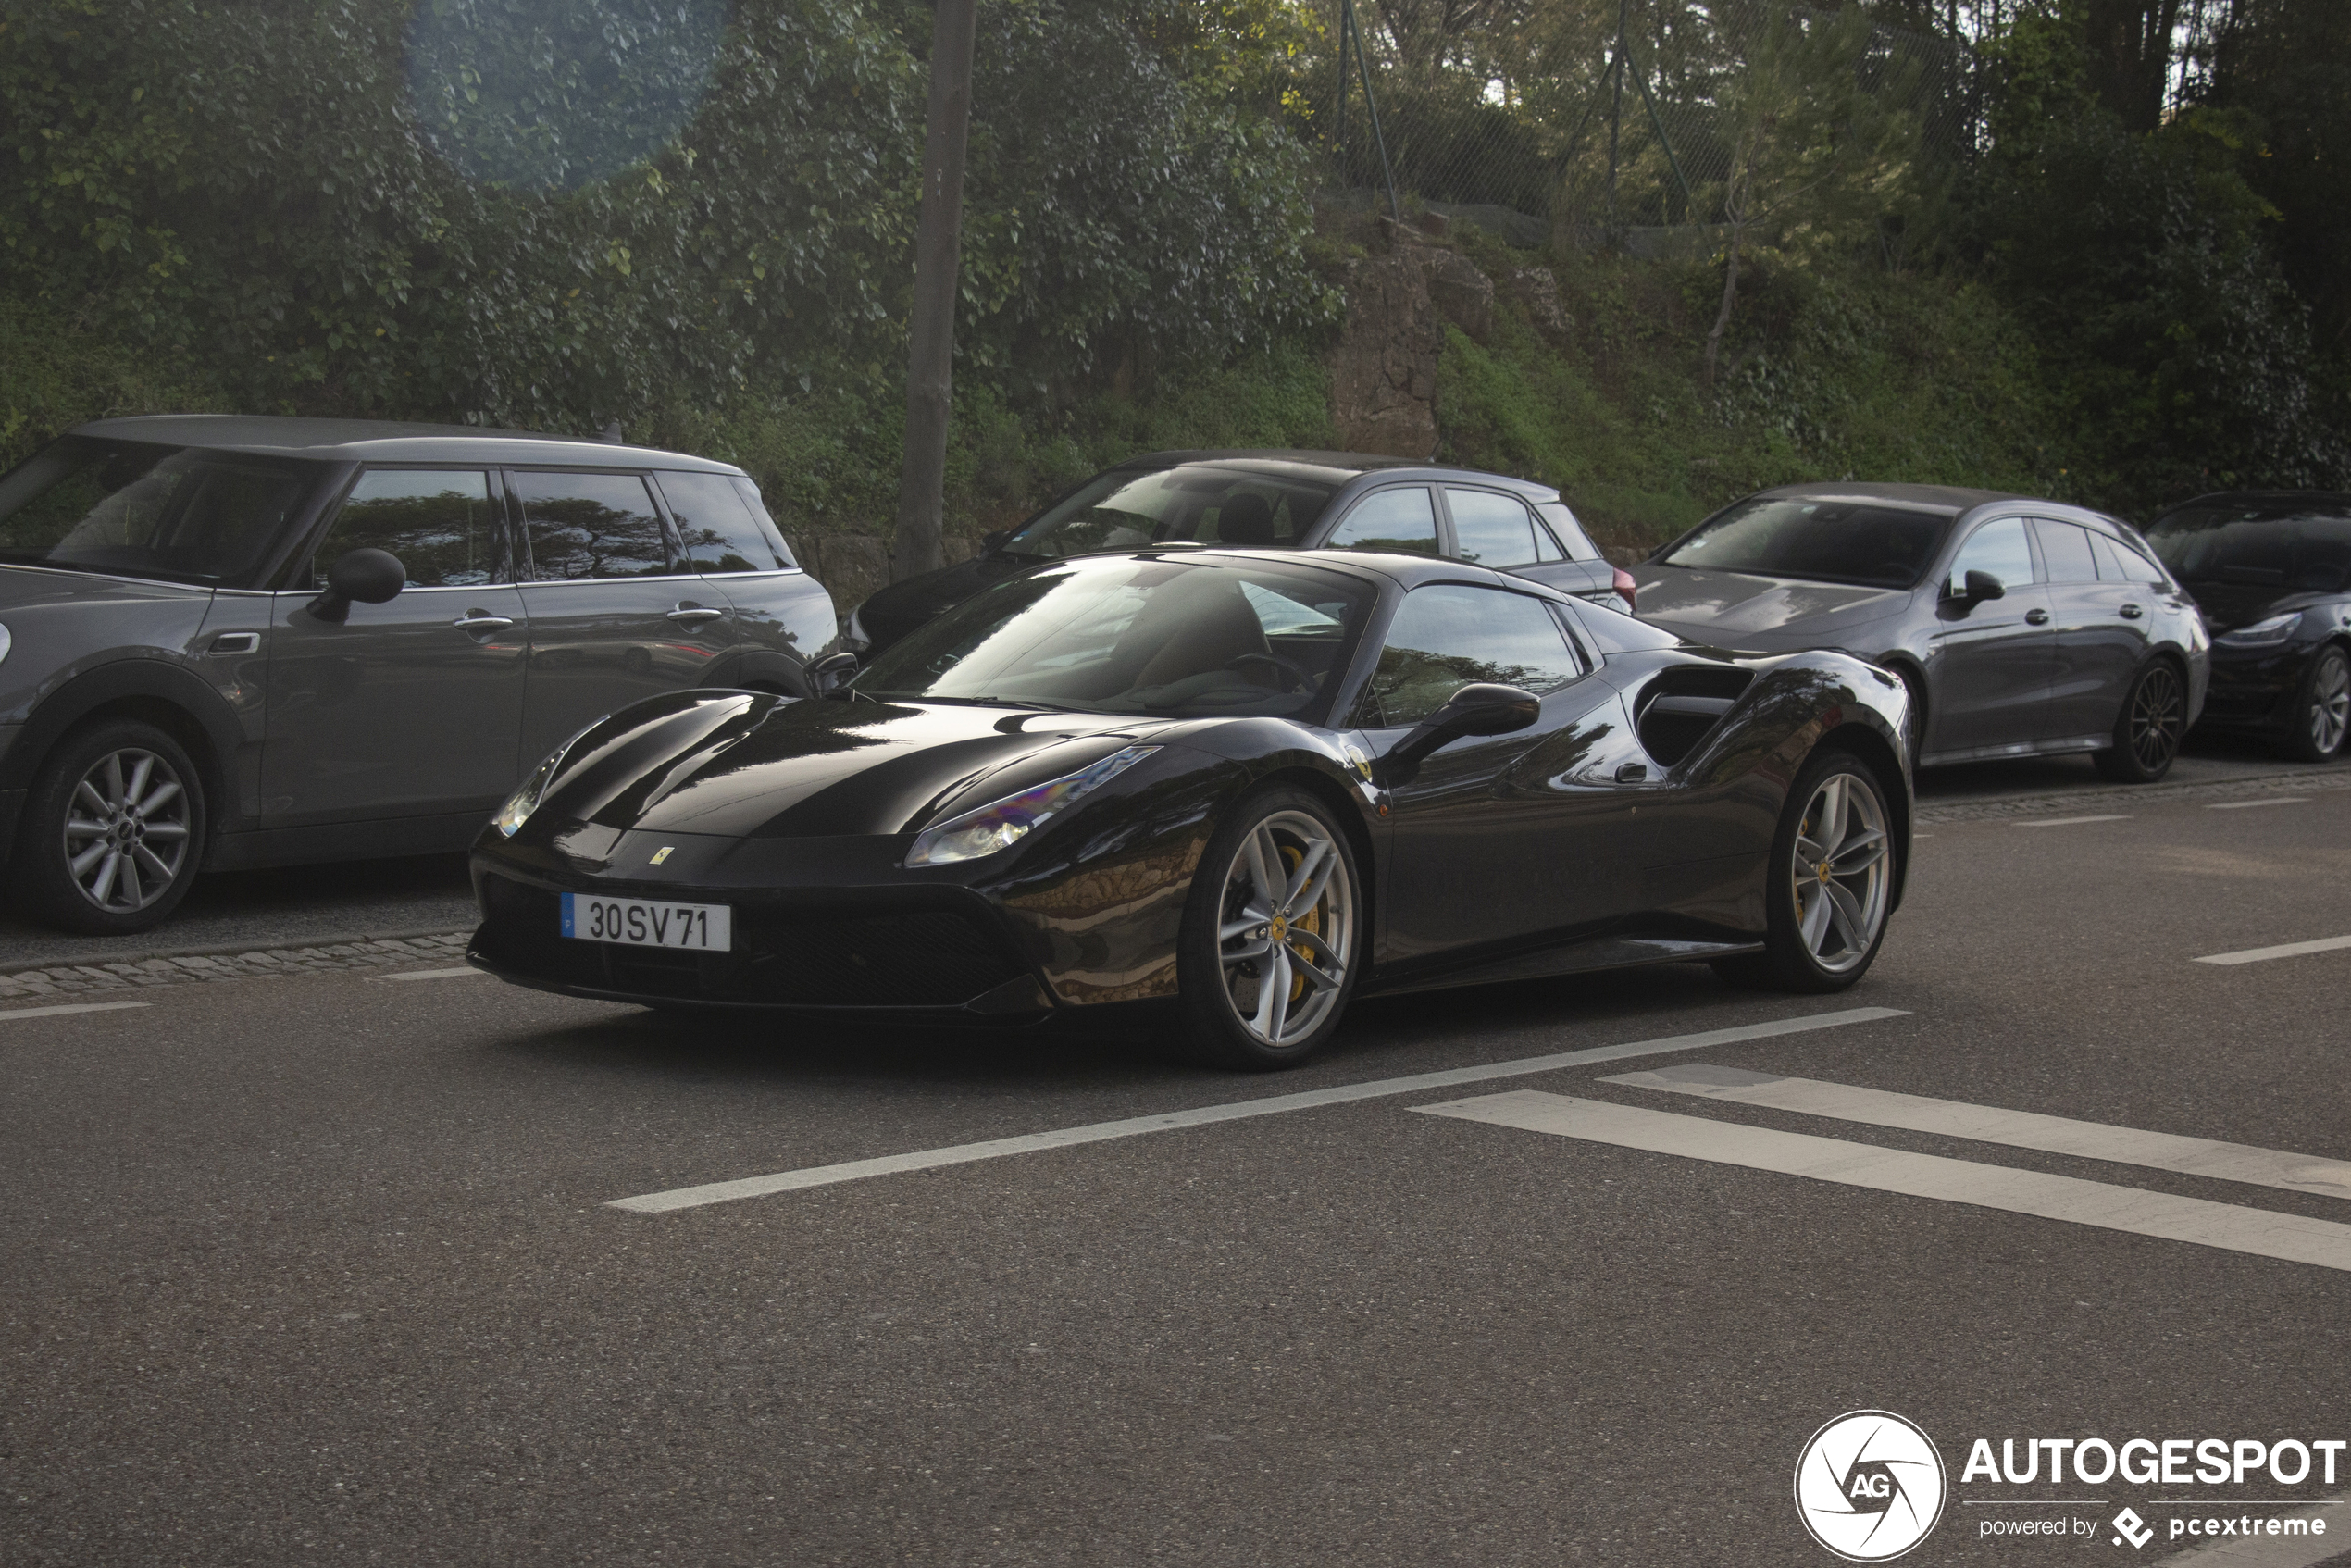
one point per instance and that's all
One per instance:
(2271, 571)
(1272, 499)
(230, 642)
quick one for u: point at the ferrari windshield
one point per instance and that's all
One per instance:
(1127, 635)
(185, 513)
(1818, 538)
(1196, 504)
(2259, 545)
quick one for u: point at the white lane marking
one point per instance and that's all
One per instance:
(2248, 805)
(2325, 1243)
(74, 1007)
(1271, 1105)
(2070, 821)
(2289, 949)
(2263, 1550)
(433, 973)
(2018, 1129)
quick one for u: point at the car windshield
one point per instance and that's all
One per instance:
(1819, 539)
(2292, 549)
(1196, 504)
(185, 513)
(1127, 635)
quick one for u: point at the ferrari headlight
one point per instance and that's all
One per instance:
(1006, 822)
(2262, 634)
(531, 790)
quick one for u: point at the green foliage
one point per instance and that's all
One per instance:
(1848, 373)
(553, 216)
(2180, 357)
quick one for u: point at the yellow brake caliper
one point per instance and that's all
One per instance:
(1310, 921)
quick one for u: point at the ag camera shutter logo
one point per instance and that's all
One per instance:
(1870, 1486)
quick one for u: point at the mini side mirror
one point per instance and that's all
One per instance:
(830, 673)
(1978, 587)
(1482, 707)
(368, 576)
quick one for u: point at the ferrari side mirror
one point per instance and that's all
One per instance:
(994, 538)
(368, 577)
(830, 673)
(1482, 707)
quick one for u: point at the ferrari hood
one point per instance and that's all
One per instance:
(741, 764)
(1734, 610)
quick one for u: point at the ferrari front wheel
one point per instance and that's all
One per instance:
(1830, 881)
(1272, 935)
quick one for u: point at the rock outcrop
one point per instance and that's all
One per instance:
(1384, 368)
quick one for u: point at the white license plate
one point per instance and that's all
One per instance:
(702, 927)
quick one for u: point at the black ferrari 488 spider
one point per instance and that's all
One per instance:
(1240, 787)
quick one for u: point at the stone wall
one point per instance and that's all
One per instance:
(851, 566)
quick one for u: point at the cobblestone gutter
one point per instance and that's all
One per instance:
(131, 972)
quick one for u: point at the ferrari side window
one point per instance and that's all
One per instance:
(1447, 635)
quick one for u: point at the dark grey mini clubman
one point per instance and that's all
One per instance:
(230, 642)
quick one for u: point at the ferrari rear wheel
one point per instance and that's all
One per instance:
(1272, 935)
(1830, 884)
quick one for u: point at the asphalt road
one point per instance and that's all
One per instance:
(323, 1269)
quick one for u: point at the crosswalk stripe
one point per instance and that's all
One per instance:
(2018, 1129)
(2248, 805)
(2229, 1226)
(1202, 1115)
(2287, 950)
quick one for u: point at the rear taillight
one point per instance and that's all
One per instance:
(1625, 586)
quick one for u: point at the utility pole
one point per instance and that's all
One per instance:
(930, 361)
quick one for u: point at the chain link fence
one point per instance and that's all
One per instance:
(1589, 120)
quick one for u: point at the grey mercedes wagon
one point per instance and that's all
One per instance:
(228, 642)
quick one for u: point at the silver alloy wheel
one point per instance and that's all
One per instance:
(126, 830)
(2330, 702)
(1839, 868)
(1285, 927)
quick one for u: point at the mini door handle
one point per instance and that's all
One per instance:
(2133, 612)
(2036, 617)
(479, 620)
(694, 615)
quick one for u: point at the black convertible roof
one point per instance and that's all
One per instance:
(387, 441)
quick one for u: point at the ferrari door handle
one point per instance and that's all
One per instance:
(481, 621)
(2036, 617)
(694, 615)
(2133, 612)
(1631, 773)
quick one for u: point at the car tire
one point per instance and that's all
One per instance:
(1235, 928)
(1823, 927)
(2148, 730)
(113, 832)
(2322, 707)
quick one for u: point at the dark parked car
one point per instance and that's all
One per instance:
(2022, 627)
(2272, 573)
(1250, 784)
(232, 642)
(1272, 499)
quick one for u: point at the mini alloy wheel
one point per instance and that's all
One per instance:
(2323, 714)
(1272, 935)
(2146, 733)
(113, 829)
